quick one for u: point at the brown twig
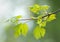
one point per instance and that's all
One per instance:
(48, 14)
(52, 13)
(43, 16)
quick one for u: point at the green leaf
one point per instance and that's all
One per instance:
(35, 9)
(17, 33)
(17, 30)
(39, 32)
(51, 17)
(42, 24)
(42, 31)
(25, 29)
(36, 33)
(44, 7)
(39, 21)
(15, 19)
(18, 17)
(21, 29)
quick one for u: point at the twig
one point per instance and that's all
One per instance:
(52, 13)
(48, 14)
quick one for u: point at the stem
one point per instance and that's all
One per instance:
(52, 13)
(43, 16)
(56, 11)
(48, 14)
(28, 19)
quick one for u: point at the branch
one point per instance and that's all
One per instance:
(52, 13)
(48, 14)
(28, 19)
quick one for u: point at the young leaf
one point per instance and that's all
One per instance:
(17, 33)
(25, 29)
(44, 7)
(51, 17)
(39, 32)
(42, 24)
(42, 31)
(39, 21)
(36, 33)
(35, 9)
(15, 19)
(18, 17)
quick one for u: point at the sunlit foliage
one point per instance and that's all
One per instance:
(39, 31)
(21, 29)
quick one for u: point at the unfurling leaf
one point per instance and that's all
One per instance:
(35, 9)
(44, 7)
(15, 19)
(39, 9)
(25, 29)
(39, 32)
(42, 31)
(36, 33)
(51, 17)
(39, 21)
(21, 29)
(17, 33)
(42, 24)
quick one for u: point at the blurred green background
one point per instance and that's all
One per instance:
(52, 28)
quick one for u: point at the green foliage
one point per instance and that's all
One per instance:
(21, 29)
(39, 32)
(51, 17)
(36, 9)
(41, 21)
(44, 7)
(15, 19)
